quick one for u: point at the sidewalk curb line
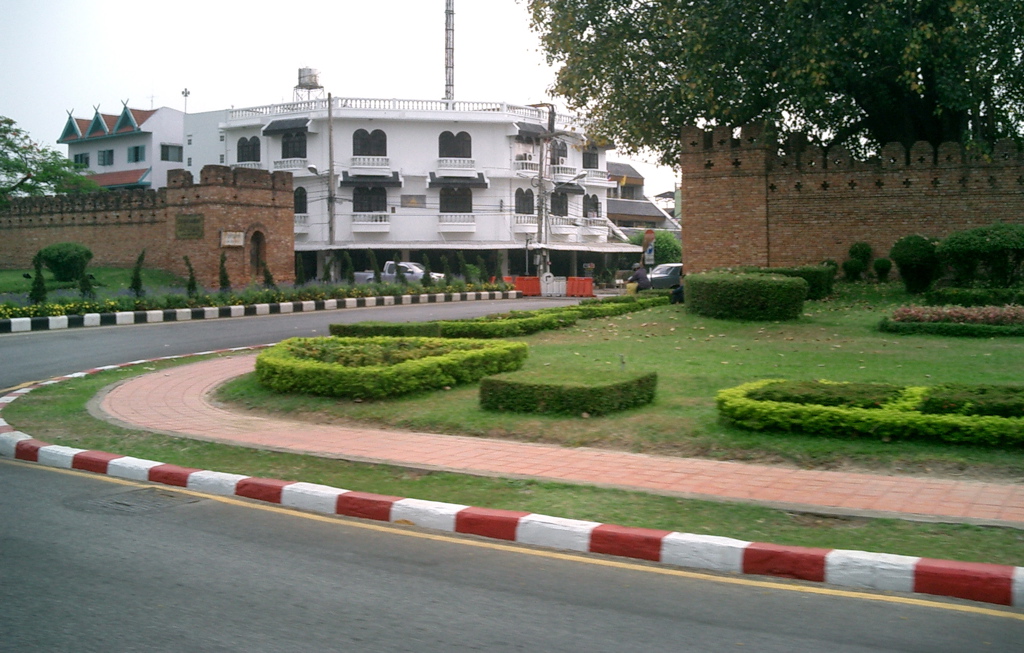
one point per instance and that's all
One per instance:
(982, 582)
(125, 318)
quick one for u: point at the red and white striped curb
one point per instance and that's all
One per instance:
(988, 583)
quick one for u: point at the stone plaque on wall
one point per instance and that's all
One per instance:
(232, 239)
(414, 201)
(188, 227)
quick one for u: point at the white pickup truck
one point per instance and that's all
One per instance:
(413, 273)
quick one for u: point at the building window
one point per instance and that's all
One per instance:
(591, 206)
(524, 201)
(171, 152)
(455, 146)
(190, 139)
(366, 143)
(631, 192)
(293, 145)
(559, 204)
(300, 200)
(590, 160)
(248, 149)
(456, 200)
(105, 157)
(137, 154)
(190, 162)
(82, 159)
(369, 200)
(559, 153)
(222, 159)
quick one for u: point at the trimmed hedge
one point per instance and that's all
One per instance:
(513, 393)
(820, 278)
(954, 329)
(726, 295)
(298, 365)
(391, 329)
(67, 261)
(898, 419)
(507, 325)
(974, 296)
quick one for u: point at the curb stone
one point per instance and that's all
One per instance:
(22, 324)
(982, 582)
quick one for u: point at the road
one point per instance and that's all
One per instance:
(90, 563)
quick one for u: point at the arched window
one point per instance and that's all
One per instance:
(591, 206)
(257, 253)
(293, 145)
(559, 152)
(248, 149)
(369, 200)
(456, 200)
(455, 146)
(366, 143)
(524, 201)
(300, 200)
(559, 204)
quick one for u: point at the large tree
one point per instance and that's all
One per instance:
(857, 72)
(29, 168)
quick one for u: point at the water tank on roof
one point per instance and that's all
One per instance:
(309, 78)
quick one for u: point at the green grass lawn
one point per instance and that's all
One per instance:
(694, 357)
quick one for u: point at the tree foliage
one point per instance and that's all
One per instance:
(28, 168)
(857, 72)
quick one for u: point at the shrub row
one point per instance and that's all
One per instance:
(859, 395)
(728, 295)
(974, 296)
(512, 392)
(996, 315)
(293, 366)
(820, 278)
(898, 419)
(951, 329)
(960, 399)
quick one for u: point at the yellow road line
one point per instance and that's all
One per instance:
(555, 555)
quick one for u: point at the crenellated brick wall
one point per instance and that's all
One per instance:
(183, 219)
(748, 201)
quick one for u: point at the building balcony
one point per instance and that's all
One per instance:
(370, 166)
(527, 166)
(599, 178)
(456, 167)
(523, 223)
(594, 226)
(456, 223)
(254, 165)
(301, 223)
(366, 223)
(562, 173)
(562, 225)
(290, 164)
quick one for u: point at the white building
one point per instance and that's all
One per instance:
(424, 176)
(133, 149)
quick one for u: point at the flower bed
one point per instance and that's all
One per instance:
(969, 321)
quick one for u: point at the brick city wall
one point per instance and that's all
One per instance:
(183, 219)
(748, 202)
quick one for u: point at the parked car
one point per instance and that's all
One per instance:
(667, 275)
(413, 272)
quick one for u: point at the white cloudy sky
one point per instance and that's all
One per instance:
(71, 55)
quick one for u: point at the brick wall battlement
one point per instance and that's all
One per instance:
(750, 201)
(246, 214)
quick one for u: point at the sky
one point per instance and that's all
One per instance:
(73, 55)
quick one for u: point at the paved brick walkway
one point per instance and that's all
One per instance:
(175, 401)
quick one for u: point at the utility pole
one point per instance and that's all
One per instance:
(330, 171)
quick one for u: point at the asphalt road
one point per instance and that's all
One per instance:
(90, 563)
(87, 564)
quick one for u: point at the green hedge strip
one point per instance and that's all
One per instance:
(728, 295)
(279, 369)
(506, 392)
(955, 329)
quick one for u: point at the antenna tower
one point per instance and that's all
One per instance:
(449, 50)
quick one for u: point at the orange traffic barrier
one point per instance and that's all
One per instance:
(529, 286)
(579, 287)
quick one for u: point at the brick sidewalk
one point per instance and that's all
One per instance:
(175, 401)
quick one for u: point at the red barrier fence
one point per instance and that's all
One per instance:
(529, 286)
(579, 287)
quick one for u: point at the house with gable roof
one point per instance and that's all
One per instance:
(133, 149)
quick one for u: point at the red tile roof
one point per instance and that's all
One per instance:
(123, 178)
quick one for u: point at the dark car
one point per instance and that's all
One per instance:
(667, 275)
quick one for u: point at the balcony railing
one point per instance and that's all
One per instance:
(371, 222)
(301, 223)
(529, 166)
(456, 222)
(371, 162)
(256, 165)
(563, 173)
(524, 223)
(598, 177)
(290, 164)
(452, 163)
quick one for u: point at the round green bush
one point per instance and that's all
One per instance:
(726, 295)
(861, 252)
(883, 267)
(996, 251)
(67, 261)
(917, 262)
(853, 269)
